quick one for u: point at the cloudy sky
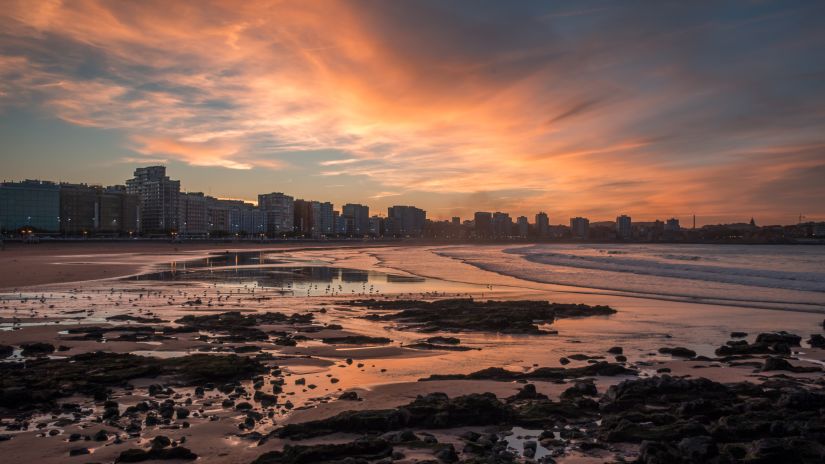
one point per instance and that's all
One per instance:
(654, 109)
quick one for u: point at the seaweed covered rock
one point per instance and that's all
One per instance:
(355, 452)
(456, 315)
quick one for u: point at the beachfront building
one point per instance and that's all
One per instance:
(29, 205)
(483, 224)
(542, 225)
(357, 219)
(502, 225)
(624, 227)
(159, 197)
(579, 227)
(523, 226)
(405, 221)
(278, 213)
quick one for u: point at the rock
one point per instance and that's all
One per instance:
(356, 340)
(564, 361)
(139, 455)
(456, 315)
(447, 454)
(678, 352)
(444, 340)
(79, 451)
(817, 341)
(621, 358)
(349, 396)
(779, 364)
(542, 373)
(697, 449)
(161, 441)
(779, 337)
(6, 351)
(616, 350)
(101, 435)
(36, 349)
(357, 452)
(528, 392)
(580, 389)
(738, 334)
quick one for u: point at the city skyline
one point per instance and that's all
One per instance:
(595, 109)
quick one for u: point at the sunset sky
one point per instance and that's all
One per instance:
(653, 109)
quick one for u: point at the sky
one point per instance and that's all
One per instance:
(652, 109)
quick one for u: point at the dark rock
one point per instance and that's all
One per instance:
(779, 337)
(349, 396)
(444, 340)
(528, 392)
(616, 350)
(139, 455)
(36, 349)
(356, 340)
(779, 364)
(817, 341)
(457, 315)
(357, 452)
(79, 451)
(678, 352)
(6, 351)
(564, 361)
(542, 373)
(738, 334)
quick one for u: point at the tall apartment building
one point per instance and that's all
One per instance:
(118, 211)
(523, 226)
(357, 217)
(277, 210)
(78, 209)
(159, 197)
(405, 221)
(193, 219)
(377, 226)
(542, 225)
(579, 227)
(323, 214)
(624, 227)
(483, 224)
(502, 225)
(30, 204)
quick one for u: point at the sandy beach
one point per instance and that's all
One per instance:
(309, 321)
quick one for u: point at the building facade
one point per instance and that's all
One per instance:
(405, 221)
(159, 198)
(278, 213)
(579, 227)
(357, 219)
(624, 227)
(31, 204)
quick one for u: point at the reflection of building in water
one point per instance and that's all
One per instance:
(354, 275)
(322, 274)
(393, 278)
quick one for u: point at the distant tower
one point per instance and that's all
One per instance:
(694, 221)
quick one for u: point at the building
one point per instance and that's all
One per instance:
(579, 227)
(158, 196)
(483, 224)
(78, 209)
(31, 204)
(118, 211)
(542, 225)
(624, 227)
(324, 218)
(672, 225)
(277, 211)
(405, 221)
(523, 226)
(456, 221)
(192, 211)
(376, 226)
(303, 221)
(357, 219)
(502, 225)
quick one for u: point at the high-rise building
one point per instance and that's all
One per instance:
(325, 222)
(158, 199)
(523, 226)
(502, 225)
(405, 221)
(456, 221)
(483, 224)
(30, 204)
(624, 227)
(78, 209)
(579, 227)
(542, 225)
(303, 221)
(357, 217)
(277, 210)
(118, 211)
(376, 226)
(192, 210)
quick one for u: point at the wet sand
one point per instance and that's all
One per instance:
(382, 375)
